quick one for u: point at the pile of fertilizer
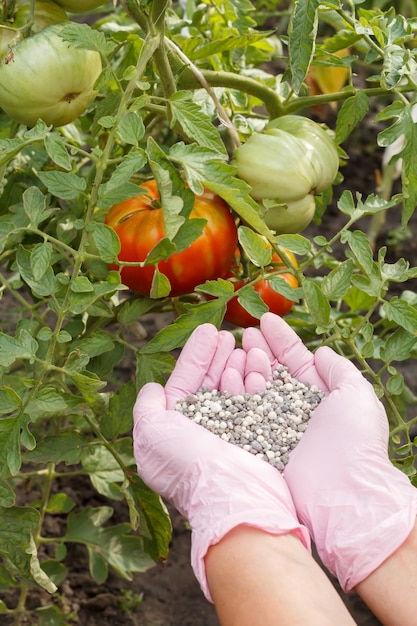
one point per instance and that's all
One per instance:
(268, 424)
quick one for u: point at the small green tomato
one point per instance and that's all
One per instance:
(292, 217)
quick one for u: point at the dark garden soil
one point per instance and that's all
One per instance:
(170, 595)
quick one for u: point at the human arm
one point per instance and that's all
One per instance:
(243, 523)
(259, 578)
(359, 508)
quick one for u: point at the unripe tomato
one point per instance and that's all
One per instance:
(277, 303)
(319, 146)
(79, 6)
(293, 217)
(291, 158)
(139, 223)
(46, 13)
(49, 78)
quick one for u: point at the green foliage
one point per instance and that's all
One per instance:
(173, 103)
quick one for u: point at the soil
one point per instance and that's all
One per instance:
(169, 595)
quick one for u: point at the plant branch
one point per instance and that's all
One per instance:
(245, 84)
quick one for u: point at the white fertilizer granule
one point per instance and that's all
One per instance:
(268, 424)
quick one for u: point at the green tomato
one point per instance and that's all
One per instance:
(292, 217)
(291, 158)
(319, 146)
(48, 78)
(80, 6)
(46, 13)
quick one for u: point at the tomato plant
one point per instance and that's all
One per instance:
(139, 223)
(46, 78)
(184, 94)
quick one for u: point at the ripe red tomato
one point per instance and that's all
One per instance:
(139, 224)
(277, 303)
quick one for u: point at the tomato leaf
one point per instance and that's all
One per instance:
(200, 164)
(398, 346)
(405, 130)
(394, 66)
(254, 246)
(359, 244)
(83, 36)
(251, 301)
(317, 303)
(194, 122)
(113, 544)
(18, 525)
(63, 448)
(337, 282)
(161, 251)
(302, 36)
(34, 204)
(189, 232)
(160, 285)
(67, 186)
(219, 288)
(402, 313)
(106, 241)
(352, 111)
(174, 197)
(204, 50)
(175, 335)
(47, 284)
(107, 198)
(280, 285)
(295, 243)
(131, 128)
(132, 163)
(130, 310)
(149, 515)
(55, 147)
(154, 367)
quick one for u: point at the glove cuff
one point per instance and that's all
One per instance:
(268, 521)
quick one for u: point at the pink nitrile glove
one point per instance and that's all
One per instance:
(215, 485)
(358, 507)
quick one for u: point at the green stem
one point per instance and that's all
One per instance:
(305, 102)
(20, 609)
(46, 492)
(28, 28)
(271, 100)
(132, 7)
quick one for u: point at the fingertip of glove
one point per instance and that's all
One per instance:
(150, 398)
(334, 368)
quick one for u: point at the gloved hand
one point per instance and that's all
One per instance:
(357, 506)
(214, 484)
